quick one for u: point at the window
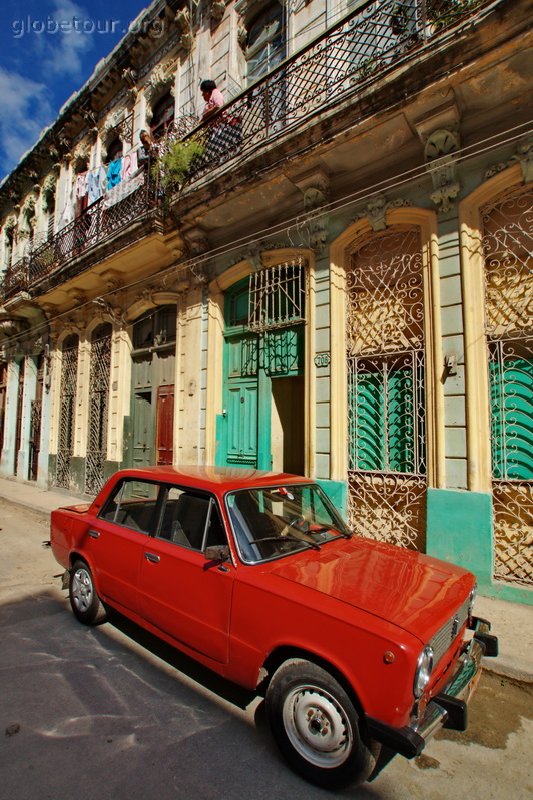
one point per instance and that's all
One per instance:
(272, 522)
(163, 116)
(156, 328)
(266, 42)
(114, 151)
(132, 505)
(190, 519)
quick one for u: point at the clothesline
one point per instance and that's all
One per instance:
(89, 186)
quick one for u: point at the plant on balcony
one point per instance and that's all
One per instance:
(399, 19)
(173, 166)
(441, 13)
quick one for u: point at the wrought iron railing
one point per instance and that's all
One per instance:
(376, 38)
(94, 226)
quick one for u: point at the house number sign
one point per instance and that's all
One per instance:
(322, 360)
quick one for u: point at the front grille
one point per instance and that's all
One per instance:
(449, 632)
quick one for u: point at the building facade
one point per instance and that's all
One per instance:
(331, 275)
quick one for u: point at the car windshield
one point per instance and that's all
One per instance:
(278, 520)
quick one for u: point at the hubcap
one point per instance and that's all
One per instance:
(82, 589)
(317, 726)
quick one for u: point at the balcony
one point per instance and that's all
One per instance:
(363, 48)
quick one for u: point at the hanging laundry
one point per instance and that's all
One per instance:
(96, 183)
(129, 165)
(67, 214)
(81, 185)
(113, 172)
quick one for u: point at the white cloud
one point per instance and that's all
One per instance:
(25, 110)
(65, 48)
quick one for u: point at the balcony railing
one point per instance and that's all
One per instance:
(378, 37)
(101, 221)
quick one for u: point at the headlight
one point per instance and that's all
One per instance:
(471, 601)
(423, 671)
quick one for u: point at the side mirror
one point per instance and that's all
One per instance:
(217, 552)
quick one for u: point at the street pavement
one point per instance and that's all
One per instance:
(512, 623)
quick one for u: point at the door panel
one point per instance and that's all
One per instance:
(165, 425)
(242, 422)
(116, 556)
(181, 593)
(143, 435)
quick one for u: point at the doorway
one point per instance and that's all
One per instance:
(263, 418)
(153, 372)
(288, 425)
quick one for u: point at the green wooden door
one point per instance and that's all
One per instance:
(251, 361)
(143, 429)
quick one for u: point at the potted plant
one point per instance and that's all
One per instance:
(173, 166)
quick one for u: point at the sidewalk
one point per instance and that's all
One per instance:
(512, 623)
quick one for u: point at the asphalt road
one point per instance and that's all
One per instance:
(111, 713)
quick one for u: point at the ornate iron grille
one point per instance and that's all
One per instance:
(67, 410)
(375, 38)
(94, 226)
(35, 422)
(386, 389)
(276, 297)
(16, 278)
(98, 409)
(508, 251)
(3, 392)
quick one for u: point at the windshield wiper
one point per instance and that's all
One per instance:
(282, 539)
(318, 528)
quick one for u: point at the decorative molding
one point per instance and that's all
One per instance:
(376, 211)
(196, 241)
(115, 313)
(523, 156)
(129, 76)
(216, 10)
(183, 23)
(161, 78)
(439, 153)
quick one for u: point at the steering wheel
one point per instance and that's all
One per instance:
(298, 523)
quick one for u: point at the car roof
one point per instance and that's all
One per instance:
(213, 478)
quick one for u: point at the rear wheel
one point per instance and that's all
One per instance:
(316, 726)
(84, 600)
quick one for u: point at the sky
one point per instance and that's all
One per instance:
(48, 49)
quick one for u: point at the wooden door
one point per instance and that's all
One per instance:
(165, 425)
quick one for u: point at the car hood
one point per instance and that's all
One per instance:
(414, 591)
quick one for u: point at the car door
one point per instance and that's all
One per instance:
(182, 593)
(118, 539)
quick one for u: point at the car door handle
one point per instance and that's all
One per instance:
(94, 534)
(152, 557)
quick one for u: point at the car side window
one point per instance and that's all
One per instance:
(183, 517)
(132, 505)
(216, 534)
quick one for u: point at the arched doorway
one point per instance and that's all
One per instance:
(67, 410)
(99, 373)
(386, 384)
(153, 370)
(507, 241)
(263, 416)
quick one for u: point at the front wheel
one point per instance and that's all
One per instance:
(316, 726)
(84, 600)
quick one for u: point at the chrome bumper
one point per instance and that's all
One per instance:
(448, 709)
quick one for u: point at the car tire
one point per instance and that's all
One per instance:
(316, 726)
(84, 600)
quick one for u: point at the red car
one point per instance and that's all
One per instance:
(358, 646)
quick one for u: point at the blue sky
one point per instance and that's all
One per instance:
(48, 49)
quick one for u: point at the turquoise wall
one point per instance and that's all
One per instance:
(459, 529)
(337, 493)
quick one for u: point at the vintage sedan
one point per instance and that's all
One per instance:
(358, 646)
